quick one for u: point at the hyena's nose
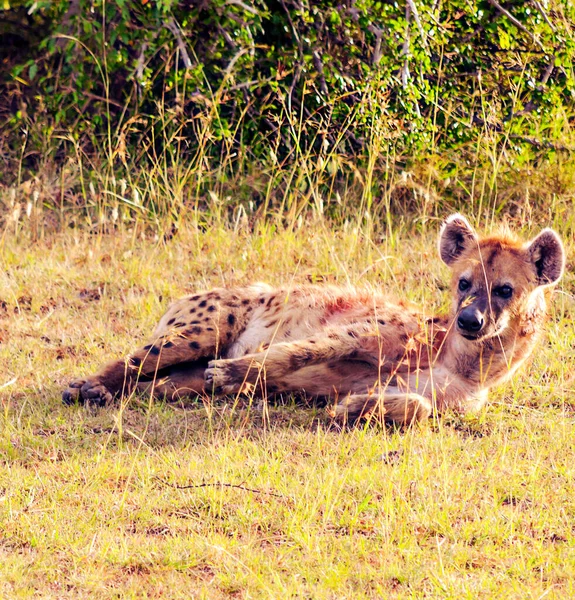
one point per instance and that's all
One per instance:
(470, 320)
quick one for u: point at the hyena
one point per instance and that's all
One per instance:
(367, 352)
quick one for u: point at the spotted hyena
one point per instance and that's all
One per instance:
(366, 351)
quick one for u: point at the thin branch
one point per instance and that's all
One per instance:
(294, 82)
(546, 75)
(377, 32)
(9, 383)
(102, 99)
(515, 22)
(528, 108)
(319, 68)
(226, 485)
(174, 29)
(293, 28)
(359, 142)
(234, 17)
(73, 11)
(232, 62)
(475, 120)
(405, 50)
(229, 40)
(541, 143)
(536, 143)
(139, 70)
(248, 84)
(418, 22)
(91, 96)
(540, 8)
(297, 74)
(549, 70)
(246, 7)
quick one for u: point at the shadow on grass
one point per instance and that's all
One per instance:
(159, 423)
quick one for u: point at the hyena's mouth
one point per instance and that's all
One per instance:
(486, 333)
(472, 338)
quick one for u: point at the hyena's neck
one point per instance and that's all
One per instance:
(489, 362)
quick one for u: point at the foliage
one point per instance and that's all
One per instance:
(235, 79)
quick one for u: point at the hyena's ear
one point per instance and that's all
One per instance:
(456, 236)
(547, 256)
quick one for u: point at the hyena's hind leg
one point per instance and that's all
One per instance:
(392, 406)
(194, 328)
(145, 364)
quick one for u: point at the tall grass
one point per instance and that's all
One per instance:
(151, 170)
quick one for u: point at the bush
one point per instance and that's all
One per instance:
(134, 79)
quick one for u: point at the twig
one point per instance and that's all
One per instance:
(359, 142)
(541, 143)
(227, 485)
(73, 11)
(247, 8)
(529, 107)
(102, 99)
(234, 17)
(405, 51)
(294, 82)
(297, 73)
(293, 28)
(418, 22)
(9, 383)
(377, 32)
(546, 75)
(319, 68)
(247, 84)
(482, 123)
(551, 65)
(540, 8)
(174, 28)
(227, 36)
(91, 96)
(515, 22)
(233, 61)
(139, 70)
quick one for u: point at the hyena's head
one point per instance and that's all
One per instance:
(497, 281)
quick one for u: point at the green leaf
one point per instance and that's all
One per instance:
(32, 71)
(504, 40)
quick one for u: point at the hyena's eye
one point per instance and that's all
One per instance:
(464, 285)
(503, 291)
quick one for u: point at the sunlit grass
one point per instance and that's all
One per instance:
(476, 507)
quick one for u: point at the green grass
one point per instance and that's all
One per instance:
(475, 507)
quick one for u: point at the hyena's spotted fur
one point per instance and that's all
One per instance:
(365, 350)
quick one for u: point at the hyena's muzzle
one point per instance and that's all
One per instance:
(476, 319)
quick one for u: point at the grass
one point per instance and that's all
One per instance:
(285, 506)
(216, 500)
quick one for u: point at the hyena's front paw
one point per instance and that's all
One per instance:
(90, 391)
(226, 376)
